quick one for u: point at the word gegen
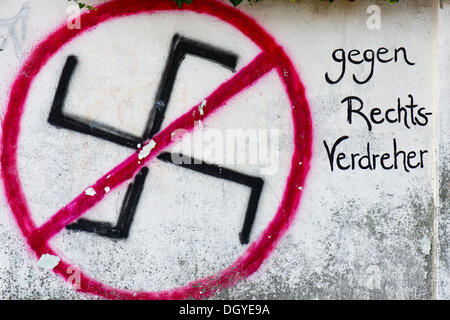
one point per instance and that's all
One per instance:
(355, 57)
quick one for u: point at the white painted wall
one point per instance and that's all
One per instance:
(358, 233)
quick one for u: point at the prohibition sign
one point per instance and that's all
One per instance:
(272, 56)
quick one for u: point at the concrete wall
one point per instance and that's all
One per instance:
(355, 233)
(443, 208)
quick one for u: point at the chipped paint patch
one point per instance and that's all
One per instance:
(90, 192)
(200, 107)
(146, 150)
(48, 261)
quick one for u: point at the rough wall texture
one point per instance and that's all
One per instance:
(444, 155)
(367, 232)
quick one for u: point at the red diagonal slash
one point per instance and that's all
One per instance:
(262, 64)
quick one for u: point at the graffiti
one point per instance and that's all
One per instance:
(122, 228)
(10, 24)
(368, 56)
(408, 115)
(271, 57)
(180, 47)
(367, 159)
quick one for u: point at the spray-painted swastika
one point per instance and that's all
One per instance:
(180, 47)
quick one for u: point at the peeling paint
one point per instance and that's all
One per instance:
(90, 192)
(48, 261)
(200, 107)
(145, 151)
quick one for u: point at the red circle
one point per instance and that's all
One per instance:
(252, 258)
